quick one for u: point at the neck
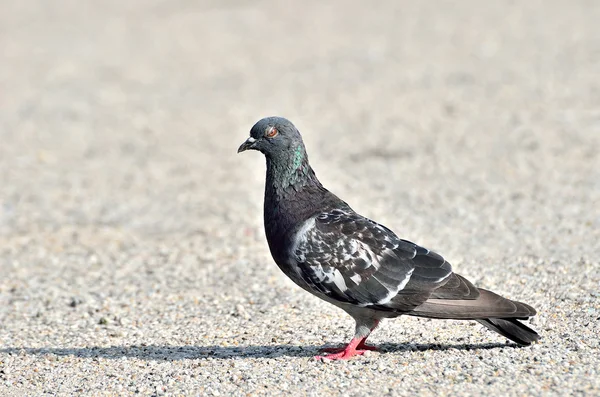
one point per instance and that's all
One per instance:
(289, 173)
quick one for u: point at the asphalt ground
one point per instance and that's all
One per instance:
(132, 253)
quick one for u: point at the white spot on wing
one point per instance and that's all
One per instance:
(320, 274)
(394, 292)
(356, 278)
(300, 236)
(338, 280)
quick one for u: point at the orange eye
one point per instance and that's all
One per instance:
(271, 132)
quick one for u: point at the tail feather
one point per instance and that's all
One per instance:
(512, 329)
(486, 305)
(496, 313)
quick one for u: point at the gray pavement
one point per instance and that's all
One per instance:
(132, 254)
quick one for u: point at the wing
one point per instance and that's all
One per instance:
(352, 259)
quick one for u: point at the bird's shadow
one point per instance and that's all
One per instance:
(176, 353)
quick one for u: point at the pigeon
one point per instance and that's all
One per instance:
(357, 264)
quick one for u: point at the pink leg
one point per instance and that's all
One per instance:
(362, 345)
(356, 347)
(345, 353)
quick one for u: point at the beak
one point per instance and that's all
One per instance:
(248, 144)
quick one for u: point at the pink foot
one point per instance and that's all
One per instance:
(361, 346)
(356, 347)
(344, 355)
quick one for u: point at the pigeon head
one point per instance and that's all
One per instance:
(287, 162)
(275, 137)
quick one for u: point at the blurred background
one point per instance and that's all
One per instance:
(472, 128)
(119, 114)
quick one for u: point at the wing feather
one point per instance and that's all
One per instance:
(352, 259)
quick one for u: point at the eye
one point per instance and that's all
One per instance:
(271, 132)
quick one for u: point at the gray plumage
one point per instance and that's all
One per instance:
(329, 250)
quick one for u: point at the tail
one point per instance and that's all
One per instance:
(512, 329)
(496, 313)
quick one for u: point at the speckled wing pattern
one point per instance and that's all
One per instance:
(355, 260)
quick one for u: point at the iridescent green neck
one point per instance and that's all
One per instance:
(289, 171)
(299, 157)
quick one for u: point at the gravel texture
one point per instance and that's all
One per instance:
(132, 254)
